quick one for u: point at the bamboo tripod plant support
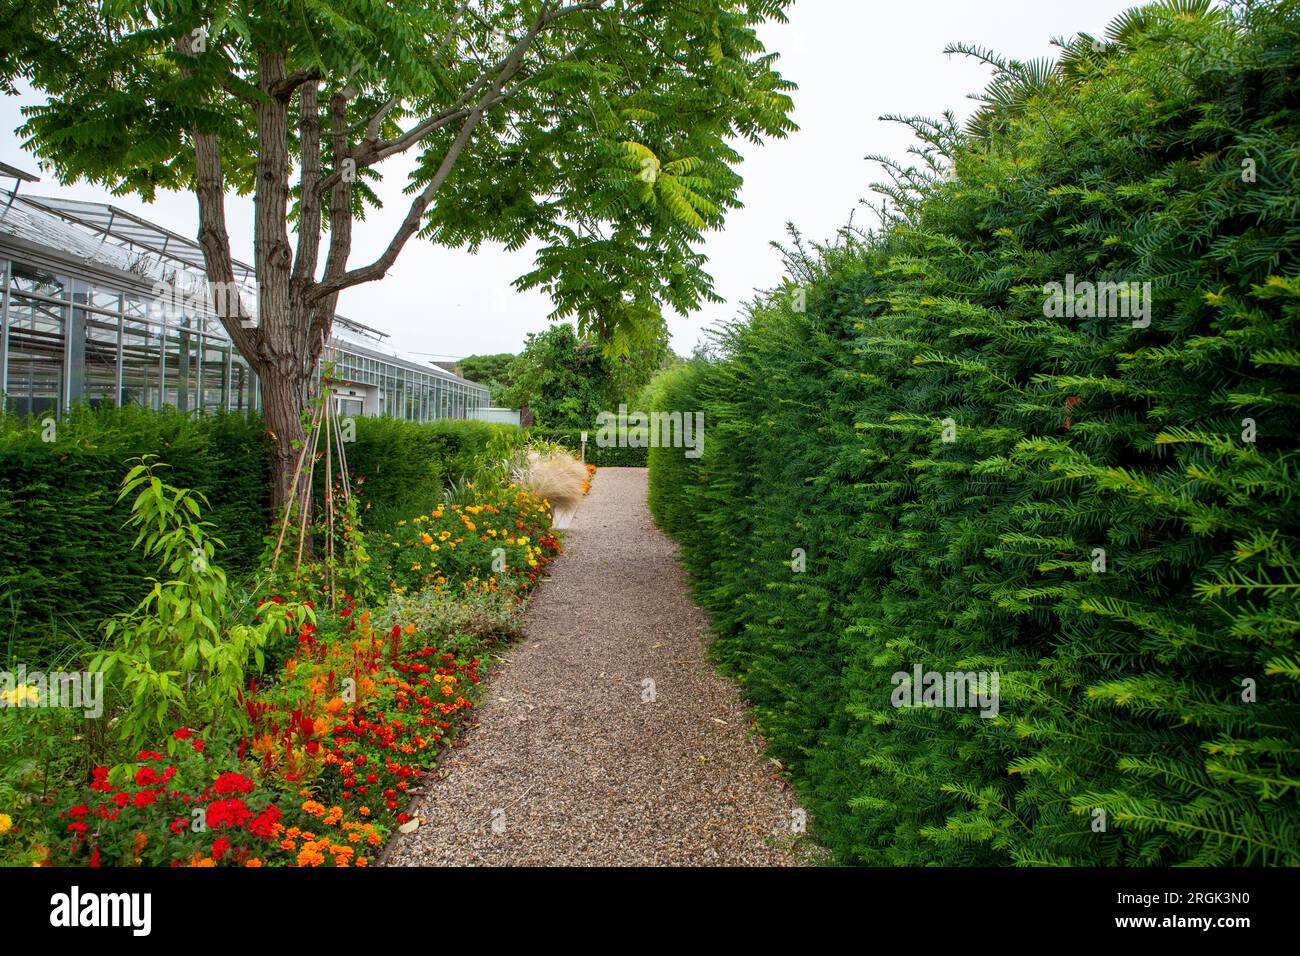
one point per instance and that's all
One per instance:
(325, 444)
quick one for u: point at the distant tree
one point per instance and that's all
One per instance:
(490, 370)
(599, 128)
(561, 378)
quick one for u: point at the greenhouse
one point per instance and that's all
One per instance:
(83, 322)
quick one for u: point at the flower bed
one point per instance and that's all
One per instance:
(328, 752)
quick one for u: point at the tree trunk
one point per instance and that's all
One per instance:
(282, 406)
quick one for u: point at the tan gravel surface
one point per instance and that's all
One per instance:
(568, 764)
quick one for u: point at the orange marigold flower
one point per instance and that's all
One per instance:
(310, 856)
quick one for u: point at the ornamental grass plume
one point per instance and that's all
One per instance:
(555, 475)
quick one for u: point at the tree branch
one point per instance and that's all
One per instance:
(336, 280)
(284, 88)
(214, 240)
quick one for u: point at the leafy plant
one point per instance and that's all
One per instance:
(180, 656)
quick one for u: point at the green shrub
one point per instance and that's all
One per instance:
(951, 464)
(181, 655)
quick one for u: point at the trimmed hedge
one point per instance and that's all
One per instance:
(1074, 504)
(67, 563)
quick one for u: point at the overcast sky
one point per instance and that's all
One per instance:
(854, 61)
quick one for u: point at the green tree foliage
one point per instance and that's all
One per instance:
(568, 380)
(490, 370)
(560, 377)
(601, 130)
(1077, 504)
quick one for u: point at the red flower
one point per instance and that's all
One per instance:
(230, 813)
(263, 824)
(198, 746)
(228, 783)
(219, 847)
(183, 734)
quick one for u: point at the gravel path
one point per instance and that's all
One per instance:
(568, 765)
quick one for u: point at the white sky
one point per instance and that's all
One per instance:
(853, 60)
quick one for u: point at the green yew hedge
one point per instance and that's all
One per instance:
(1148, 708)
(67, 562)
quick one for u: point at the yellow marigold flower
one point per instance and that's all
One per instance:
(6, 823)
(23, 694)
